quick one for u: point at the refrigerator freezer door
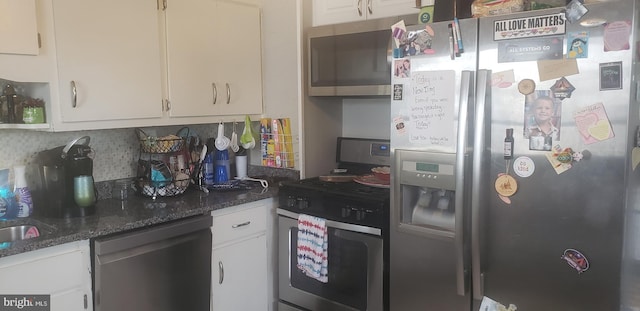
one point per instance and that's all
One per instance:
(522, 244)
(429, 248)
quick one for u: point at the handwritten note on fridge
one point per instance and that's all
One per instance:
(432, 108)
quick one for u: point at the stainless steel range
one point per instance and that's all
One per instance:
(356, 217)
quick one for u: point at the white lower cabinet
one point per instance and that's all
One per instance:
(62, 271)
(240, 276)
(241, 271)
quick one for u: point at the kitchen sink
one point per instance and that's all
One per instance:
(14, 231)
(18, 233)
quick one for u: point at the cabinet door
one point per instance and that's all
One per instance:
(73, 300)
(239, 276)
(192, 57)
(386, 8)
(110, 52)
(338, 11)
(19, 29)
(240, 82)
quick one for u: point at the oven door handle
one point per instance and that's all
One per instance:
(336, 224)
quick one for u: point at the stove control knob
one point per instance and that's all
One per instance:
(345, 212)
(302, 203)
(292, 201)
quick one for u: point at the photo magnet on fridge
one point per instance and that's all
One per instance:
(611, 76)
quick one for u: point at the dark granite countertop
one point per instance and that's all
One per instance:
(113, 215)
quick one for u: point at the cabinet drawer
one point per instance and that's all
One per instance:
(239, 224)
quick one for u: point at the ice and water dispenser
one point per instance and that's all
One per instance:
(425, 190)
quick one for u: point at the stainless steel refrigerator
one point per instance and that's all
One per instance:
(514, 146)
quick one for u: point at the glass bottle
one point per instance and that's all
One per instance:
(508, 145)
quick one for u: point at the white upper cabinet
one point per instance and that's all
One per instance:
(109, 61)
(340, 11)
(18, 27)
(213, 58)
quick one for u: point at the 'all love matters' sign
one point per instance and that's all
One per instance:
(532, 26)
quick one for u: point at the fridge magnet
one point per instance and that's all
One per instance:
(530, 50)
(416, 43)
(524, 167)
(578, 44)
(576, 260)
(402, 68)
(526, 86)
(557, 68)
(489, 304)
(503, 79)
(593, 124)
(575, 10)
(616, 36)
(506, 185)
(542, 115)
(399, 125)
(592, 22)
(611, 76)
(398, 31)
(397, 91)
(562, 89)
(561, 159)
(528, 27)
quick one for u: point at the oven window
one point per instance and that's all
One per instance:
(347, 269)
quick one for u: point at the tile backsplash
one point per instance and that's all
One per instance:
(116, 150)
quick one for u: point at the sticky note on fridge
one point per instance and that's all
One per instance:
(557, 68)
(503, 79)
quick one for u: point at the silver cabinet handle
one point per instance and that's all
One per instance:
(74, 94)
(241, 225)
(359, 7)
(369, 7)
(483, 113)
(215, 92)
(228, 93)
(221, 274)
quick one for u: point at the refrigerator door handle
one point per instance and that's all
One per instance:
(483, 91)
(461, 155)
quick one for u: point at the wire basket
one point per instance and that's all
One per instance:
(164, 144)
(161, 188)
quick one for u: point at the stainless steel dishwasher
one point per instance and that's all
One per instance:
(161, 268)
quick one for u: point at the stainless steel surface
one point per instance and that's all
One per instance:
(374, 59)
(14, 233)
(337, 225)
(310, 301)
(514, 249)
(286, 307)
(167, 267)
(364, 151)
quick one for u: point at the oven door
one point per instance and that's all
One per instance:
(355, 268)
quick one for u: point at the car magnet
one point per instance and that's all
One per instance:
(562, 89)
(576, 260)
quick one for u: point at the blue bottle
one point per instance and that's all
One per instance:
(208, 171)
(8, 202)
